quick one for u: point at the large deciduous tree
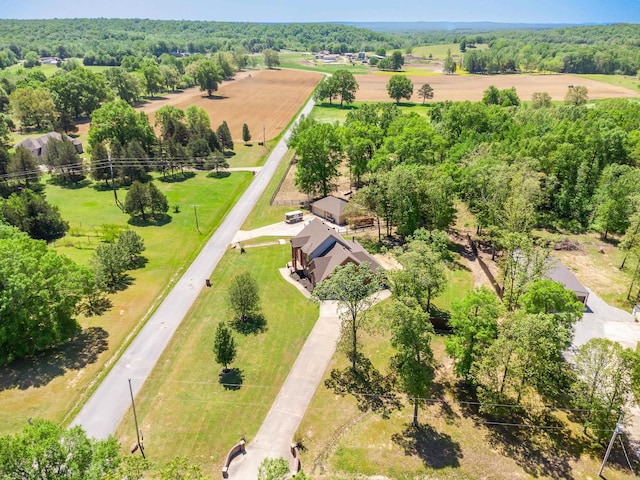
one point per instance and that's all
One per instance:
(576, 95)
(604, 388)
(411, 333)
(33, 107)
(400, 86)
(423, 276)
(208, 75)
(125, 84)
(40, 293)
(474, 324)
(78, 92)
(46, 451)
(345, 86)
(319, 148)
(31, 213)
(243, 297)
(118, 121)
(271, 58)
(353, 287)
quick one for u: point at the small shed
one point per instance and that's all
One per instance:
(558, 272)
(331, 209)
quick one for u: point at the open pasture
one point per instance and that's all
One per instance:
(471, 87)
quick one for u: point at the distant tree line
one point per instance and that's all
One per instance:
(108, 41)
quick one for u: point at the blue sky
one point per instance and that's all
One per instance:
(524, 11)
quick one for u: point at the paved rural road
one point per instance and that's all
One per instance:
(103, 412)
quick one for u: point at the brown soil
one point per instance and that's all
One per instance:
(262, 99)
(471, 87)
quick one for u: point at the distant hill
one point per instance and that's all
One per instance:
(397, 27)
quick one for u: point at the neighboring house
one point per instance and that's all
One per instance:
(38, 146)
(561, 274)
(318, 249)
(331, 209)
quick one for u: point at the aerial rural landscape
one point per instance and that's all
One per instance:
(270, 248)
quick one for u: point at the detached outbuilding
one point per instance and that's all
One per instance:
(558, 272)
(331, 209)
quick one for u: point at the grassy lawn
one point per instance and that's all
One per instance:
(326, 113)
(263, 213)
(439, 52)
(453, 443)
(323, 67)
(251, 155)
(183, 409)
(52, 387)
(626, 81)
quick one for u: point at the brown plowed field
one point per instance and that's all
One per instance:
(471, 87)
(268, 98)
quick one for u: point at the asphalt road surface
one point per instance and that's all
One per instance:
(103, 412)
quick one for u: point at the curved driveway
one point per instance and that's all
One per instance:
(103, 412)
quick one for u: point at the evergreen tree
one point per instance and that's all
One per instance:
(224, 346)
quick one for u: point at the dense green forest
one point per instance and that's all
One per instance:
(110, 40)
(607, 49)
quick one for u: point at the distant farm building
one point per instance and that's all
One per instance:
(318, 249)
(50, 61)
(331, 209)
(38, 146)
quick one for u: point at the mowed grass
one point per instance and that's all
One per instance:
(264, 213)
(251, 154)
(439, 52)
(54, 386)
(326, 113)
(183, 409)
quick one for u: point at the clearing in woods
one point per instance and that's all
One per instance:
(261, 98)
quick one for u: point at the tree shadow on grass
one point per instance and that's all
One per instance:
(61, 182)
(251, 325)
(436, 450)
(177, 177)
(372, 390)
(222, 174)
(150, 222)
(39, 370)
(231, 380)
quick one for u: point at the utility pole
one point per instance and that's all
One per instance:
(135, 418)
(264, 140)
(113, 184)
(616, 431)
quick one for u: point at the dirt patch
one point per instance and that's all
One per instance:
(262, 99)
(471, 87)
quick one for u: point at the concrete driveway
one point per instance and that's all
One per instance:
(601, 320)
